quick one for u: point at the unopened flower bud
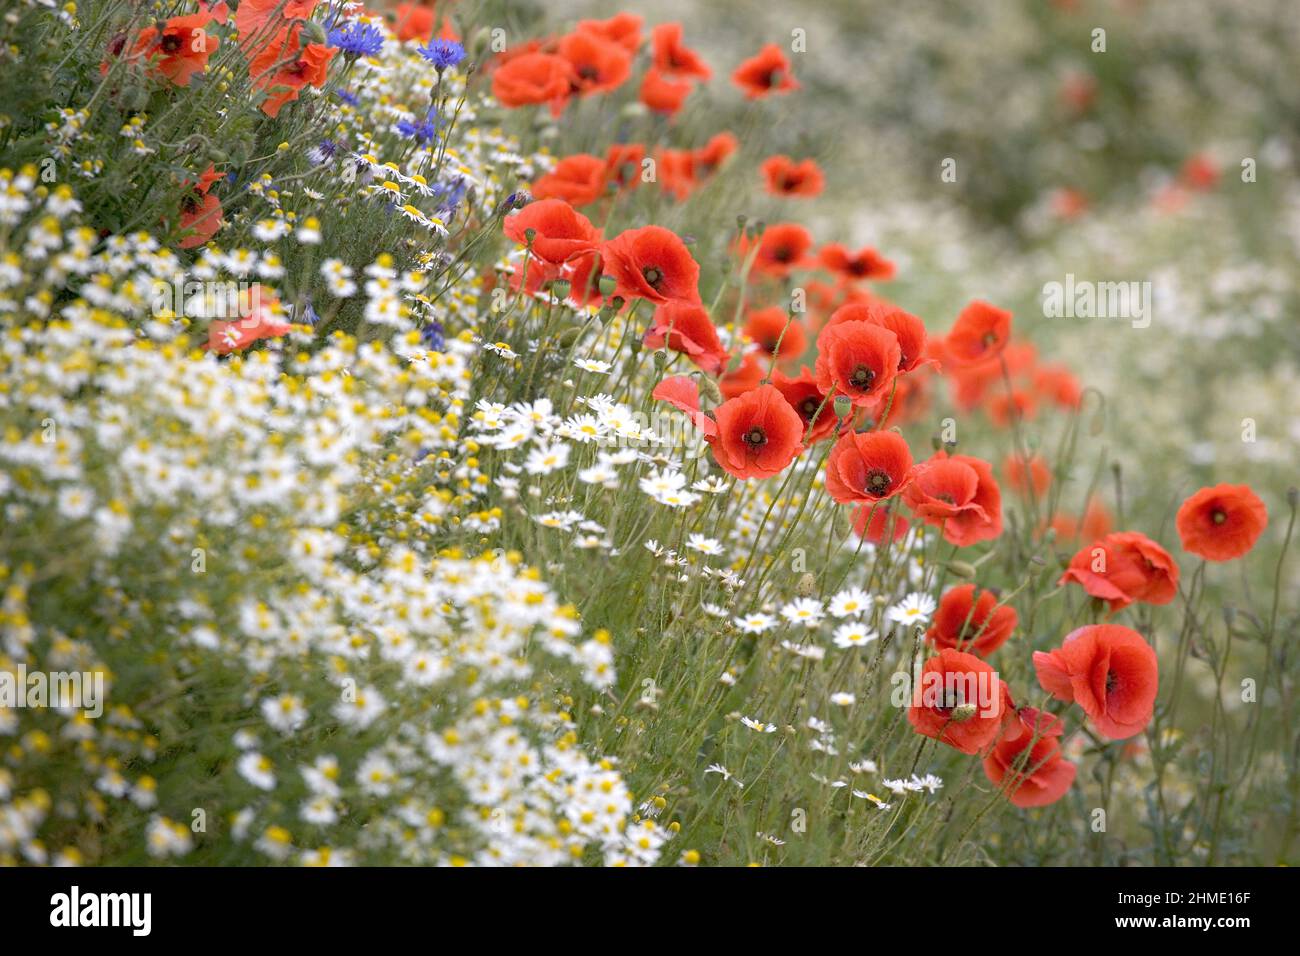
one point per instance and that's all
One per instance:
(962, 569)
(807, 585)
(607, 285)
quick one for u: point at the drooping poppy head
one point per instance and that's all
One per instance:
(652, 263)
(859, 360)
(663, 94)
(673, 58)
(980, 333)
(623, 29)
(776, 333)
(578, 179)
(560, 232)
(759, 434)
(782, 247)
(959, 494)
(971, 620)
(686, 327)
(683, 393)
(1110, 671)
(959, 700)
(865, 264)
(813, 405)
(1027, 762)
(746, 376)
(765, 73)
(1022, 475)
(533, 78)
(599, 65)
(877, 521)
(1221, 523)
(1122, 568)
(868, 466)
(782, 176)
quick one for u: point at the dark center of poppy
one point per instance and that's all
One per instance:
(653, 275)
(782, 253)
(755, 437)
(299, 69)
(989, 338)
(170, 44)
(862, 377)
(1111, 681)
(809, 407)
(1218, 516)
(947, 498)
(587, 72)
(878, 481)
(771, 78)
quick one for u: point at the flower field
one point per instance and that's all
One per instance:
(495, 433)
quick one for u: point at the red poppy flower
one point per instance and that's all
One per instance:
(672, 57)
(686, 327)
(1110, 671)
(784, 177)
(1124, 567)
(765, 73)
(534, 78)
(414, 22)
(1221, 523)
(201, 213)
(746, 376)
(560, 232)
(866, 263)
(772, 325)
(1199, 172)
(676, 172)
(623, 164)
(875, 521)
(782, 247)
(259, 320)
(683, 393)
(710, 157)
(1057, 384)
(812, 404)
(909, 330)
(972, 623)
(652, 263)
(758, 434)
(623, 29)
(180, 50)
(960, 701)
(1029, 754)
(578, 179)
(859, 360)
(868, 466)
(959, 494)
(1019, 474)
(252, 16)
(1005, 409)
(980, 333)
(285, 66)
(599, 65)
(661, 94)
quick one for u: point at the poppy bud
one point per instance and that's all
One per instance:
(709, 389)
(936, 442)
(313, 31)
(607, 285)
(660, 360)
(741, 220)
(1229, 614)
(962, 569)
(1292, 496)
(807, 585)
(566, 337)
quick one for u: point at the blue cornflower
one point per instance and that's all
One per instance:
(442, 53)
(433, 338)
(349, 98)
(357, 39)
(423, 130)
